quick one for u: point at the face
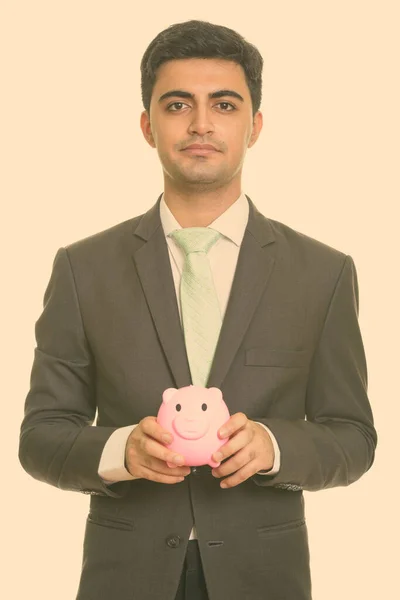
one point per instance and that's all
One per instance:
(201, 101)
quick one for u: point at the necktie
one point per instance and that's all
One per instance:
(201, 314)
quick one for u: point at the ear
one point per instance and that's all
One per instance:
(215, 394)
(145, 126)
(168, 394)
(257, 126)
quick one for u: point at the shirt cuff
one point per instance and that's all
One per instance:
(277, 461)
(112, 461)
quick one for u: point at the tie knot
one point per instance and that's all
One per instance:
(195, 239)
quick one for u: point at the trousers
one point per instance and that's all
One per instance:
(192, 585)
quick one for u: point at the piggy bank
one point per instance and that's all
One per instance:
(193, 414)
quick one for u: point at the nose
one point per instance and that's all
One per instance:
(201, 123)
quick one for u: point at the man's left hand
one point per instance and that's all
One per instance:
(250, 447)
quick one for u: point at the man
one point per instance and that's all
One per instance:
(117, 330)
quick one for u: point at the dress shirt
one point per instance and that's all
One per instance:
(223, 258)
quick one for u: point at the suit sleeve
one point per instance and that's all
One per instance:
(112, 462)
(335, 444)
(58, 444)
(277, 458)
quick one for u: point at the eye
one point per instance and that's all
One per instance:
(179, 105)
(178, 407)
(175, 104)
(228, 104)
(204, 407)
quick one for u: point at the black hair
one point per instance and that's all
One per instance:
(201, 39)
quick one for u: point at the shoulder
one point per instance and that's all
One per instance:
(315, 261)
(104, 239)
(305, 247)
(95, 255)
(300, 241)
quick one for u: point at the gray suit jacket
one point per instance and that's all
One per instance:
(290, 355)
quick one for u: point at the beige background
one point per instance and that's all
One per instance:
(74, 162)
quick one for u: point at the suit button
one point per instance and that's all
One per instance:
(173, 541)
(194, 471)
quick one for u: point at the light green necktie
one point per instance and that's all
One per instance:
(201, 314)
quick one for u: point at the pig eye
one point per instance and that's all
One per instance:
(204, 407)
(178, 407)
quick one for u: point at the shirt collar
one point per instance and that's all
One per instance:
(231, 224)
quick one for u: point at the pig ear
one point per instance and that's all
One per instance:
(167, 394)
(215, 394)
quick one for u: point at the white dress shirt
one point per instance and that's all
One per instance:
(223, 257)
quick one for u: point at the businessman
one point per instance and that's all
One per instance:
(202, 289)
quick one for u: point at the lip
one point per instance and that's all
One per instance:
(201, 146)
(200, 149)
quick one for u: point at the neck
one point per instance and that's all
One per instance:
(199, 209)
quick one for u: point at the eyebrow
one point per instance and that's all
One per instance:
(217, 94)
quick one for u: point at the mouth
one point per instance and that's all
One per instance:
(200, 151)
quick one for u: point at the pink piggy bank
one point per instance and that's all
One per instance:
(193, 414)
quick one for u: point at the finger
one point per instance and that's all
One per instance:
(161, 466)
(152, 475)
(234, 423)
(144, 463)
(150, 447)
(238, 441)
(241, 475)
(236, 462)
(151, 427)
(136, 462)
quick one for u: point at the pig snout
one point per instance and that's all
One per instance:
(191, 427)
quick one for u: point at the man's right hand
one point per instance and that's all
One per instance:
(146, 454)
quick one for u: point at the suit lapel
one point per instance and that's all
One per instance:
(254, 267)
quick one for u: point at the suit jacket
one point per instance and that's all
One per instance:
(289, 355)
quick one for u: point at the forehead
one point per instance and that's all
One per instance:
(200, 74)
